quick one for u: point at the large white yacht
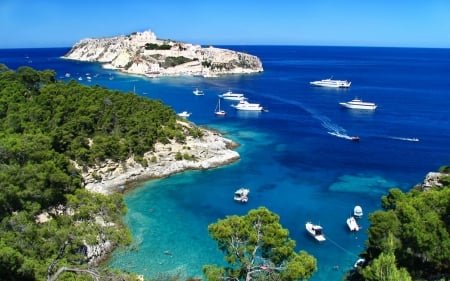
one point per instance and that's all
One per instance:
(331, 83)
(246, 106)
(359, 104)
(232, 96)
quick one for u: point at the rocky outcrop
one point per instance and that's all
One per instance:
(209, 151)
(142, 53)
(432, 179)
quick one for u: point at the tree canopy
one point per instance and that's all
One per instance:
(257, 247)
(410, 233)
(46, 217)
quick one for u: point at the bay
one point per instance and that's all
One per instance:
(295, 158)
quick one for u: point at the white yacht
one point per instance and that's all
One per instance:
(241, 195)
(232, 96)
(184, 114)
(246, 106)
(331, 83)
(352, 224)
(359, 104)
(357, 211)
(316, 231)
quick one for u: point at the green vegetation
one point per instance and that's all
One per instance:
(153, 46)
(409, 239)
(174, 61)
(256, 247)
(47, 219)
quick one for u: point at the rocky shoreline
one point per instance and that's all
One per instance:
(209, 151)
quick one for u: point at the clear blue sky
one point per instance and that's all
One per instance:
(62, 23)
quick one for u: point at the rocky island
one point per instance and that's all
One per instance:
(143, 53)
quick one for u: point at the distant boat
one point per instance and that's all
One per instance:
(357, 211)
(355, 138)
(198, 92)
(352, 224)
(359, 262)
(232, 96)
(359, 104)
(184, 114)
(218, 111)
(241, 195)
(246, 106)
(316, 231)
(330, 83)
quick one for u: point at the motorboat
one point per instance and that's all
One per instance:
(357, 211)
(241, 195)
(232, 96)
(352, 224)
(218, 111)
(198, 92)
(359, 263)
(331, 83)
(355, 138)
(246, 106)
(316, 231)
(184, 114)
(359, 104)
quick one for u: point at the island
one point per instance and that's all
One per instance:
(143, 53)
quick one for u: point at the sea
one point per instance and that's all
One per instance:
(296, 157)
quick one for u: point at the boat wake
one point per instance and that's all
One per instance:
(343, 136)
(332, 128)
(403, 139)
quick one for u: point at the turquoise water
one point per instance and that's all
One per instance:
(292, 158)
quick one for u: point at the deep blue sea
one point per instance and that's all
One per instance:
(295, 158)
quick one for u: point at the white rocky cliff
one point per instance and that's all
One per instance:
(142, 53)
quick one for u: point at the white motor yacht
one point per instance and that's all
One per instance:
(359, 104)
(232, 96)
(331, 83)
(246, 106)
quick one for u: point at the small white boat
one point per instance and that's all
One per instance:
(241, 195)
(331, 83)
(357, 211)
(316, 231)
(359, 262)
(232, 96)
(184, 114)
(198, 92)
(352, 224)
(218, 111)
(359, 104)
(246, 106)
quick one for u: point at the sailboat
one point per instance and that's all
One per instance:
(218, 111)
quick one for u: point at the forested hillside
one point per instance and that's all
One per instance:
(46, 216)
(409, 239)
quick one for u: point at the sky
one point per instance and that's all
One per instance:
(381, 23)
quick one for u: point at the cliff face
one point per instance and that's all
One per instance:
(142, 53)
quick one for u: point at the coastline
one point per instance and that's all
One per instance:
(212, 150)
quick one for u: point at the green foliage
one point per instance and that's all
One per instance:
(153, 46)
(257, 247)
(413, 233)
(174, 61)
(46, 124)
